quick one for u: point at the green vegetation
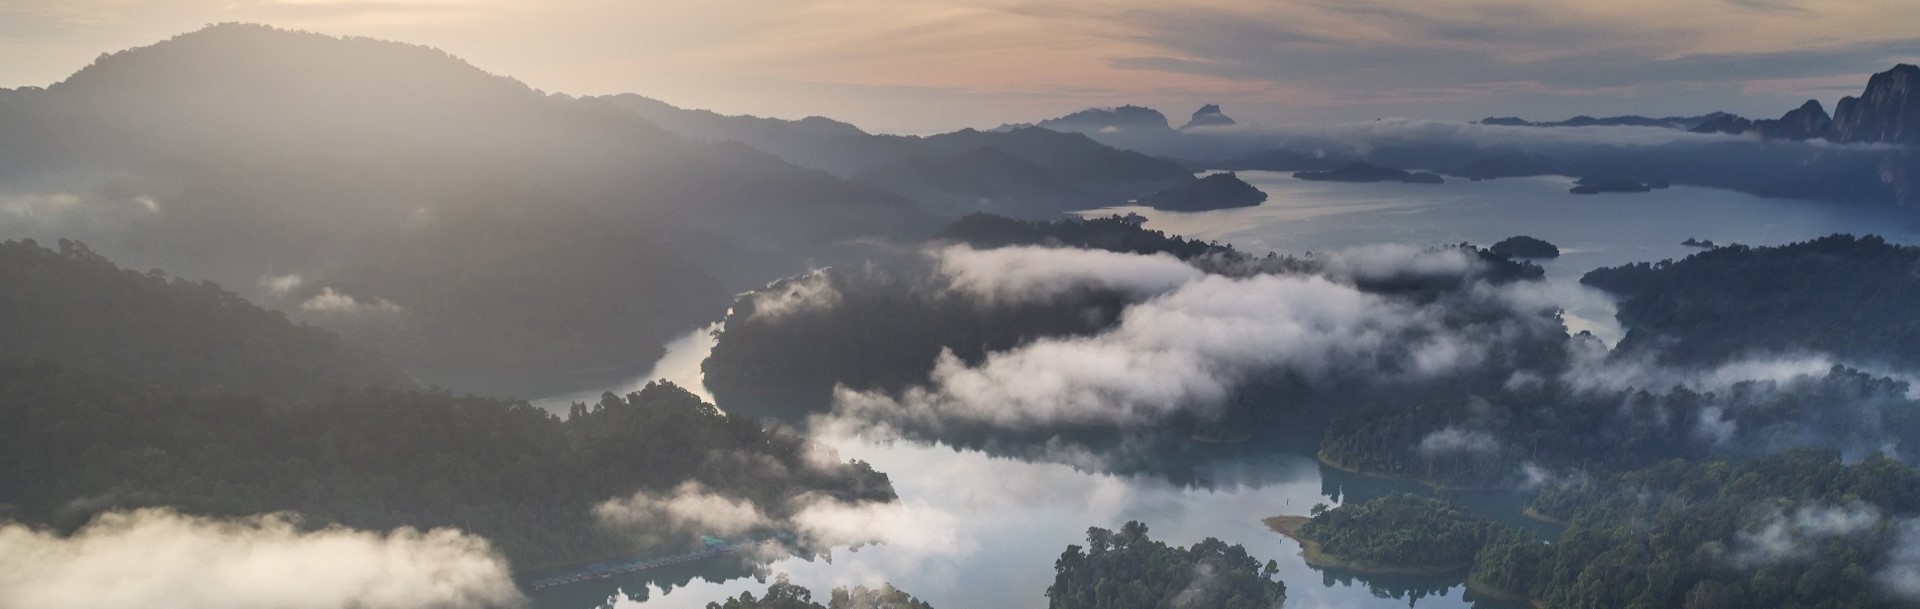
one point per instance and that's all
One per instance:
(886, 325)
(1522, 246)
(1798, 529)
(1397, 534)
(170, 393)
(75, 306)
(783, 594)
(1112, 233)
(527, 242)
(1474, 441)
(77, 442)
(1126, 570)
(1217, 191)
(1847, 296)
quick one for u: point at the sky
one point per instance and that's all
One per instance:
(918, 66)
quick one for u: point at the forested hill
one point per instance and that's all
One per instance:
(1398, 533)
(1113, 233)
(75, 306)
(77, 442)
(1798, 529)
(1026, 172)
(1126, 568)
(889, 322)
(398, 174)
(121, 390)
(1851, 297)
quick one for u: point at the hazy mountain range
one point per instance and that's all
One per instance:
(487, 235)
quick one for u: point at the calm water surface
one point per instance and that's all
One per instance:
(990, 528)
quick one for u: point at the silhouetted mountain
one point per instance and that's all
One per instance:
(1807, 122)
(1882, 113)
(1106, 120)
(1887, 111)
(1079, 172)
(1361, 171)
(1208, 116)
(1665, 122)
(1731, 124)
(1073, 156)
(1217, 191)
(245, 154)
(983, 179)
(74, 306)
(820, 143)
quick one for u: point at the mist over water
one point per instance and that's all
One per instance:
(989, 528)
(680, 365)
(1592, 231)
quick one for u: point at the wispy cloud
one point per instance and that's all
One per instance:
(159, 559)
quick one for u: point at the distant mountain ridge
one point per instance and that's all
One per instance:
(1106, 120)
(1887, 111)
(1020, 171)
(1666, 122)
(491, 237)
(1208, 116)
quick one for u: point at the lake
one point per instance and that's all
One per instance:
(988, 529)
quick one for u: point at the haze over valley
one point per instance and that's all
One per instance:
(309, 320)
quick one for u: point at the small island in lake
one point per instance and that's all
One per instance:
(1522, 246)
(1700, 243)
(1154, 574)
(1398, 534)
(1594, 186)
(1361, 171)
(1217, 191)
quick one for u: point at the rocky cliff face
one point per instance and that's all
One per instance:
(1888, 111)
(1208, 116)
(1807, 122)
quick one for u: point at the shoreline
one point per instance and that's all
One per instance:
(1530, 514)
(1310, 553)
(1496, 593)
(1321, 456)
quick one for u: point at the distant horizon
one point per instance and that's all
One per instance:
(928, 69)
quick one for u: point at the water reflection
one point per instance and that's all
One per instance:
(680, 364)
(633, 588)
(994, 522)
(997, 523)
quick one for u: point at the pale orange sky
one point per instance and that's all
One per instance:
(906, 65)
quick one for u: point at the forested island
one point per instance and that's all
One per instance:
(1125, 569)
(1217, 191)
(907, 317)
(1795, 529)
(1848, 296)
(1522, 246)
(783, 594)
(1799, 528)
(884, 325)
(1110, 233)
(89, 429)
(1395, 534)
